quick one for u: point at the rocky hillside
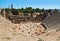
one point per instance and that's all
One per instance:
(8, 33)
(52, 35)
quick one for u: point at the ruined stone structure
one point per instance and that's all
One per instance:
(30, 29)
(24, 28)
(53, 21)
(16, 18)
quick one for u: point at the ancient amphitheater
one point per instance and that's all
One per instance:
(29, 31)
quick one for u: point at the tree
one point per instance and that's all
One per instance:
(7, 10)
(49, 10)
(28, 9)
(37, 10)
(43, 10)
(15, 11)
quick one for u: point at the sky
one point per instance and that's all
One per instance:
(46, 4)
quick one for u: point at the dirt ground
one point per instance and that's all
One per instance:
(7, 33)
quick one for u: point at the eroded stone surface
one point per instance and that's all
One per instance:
(29, 28)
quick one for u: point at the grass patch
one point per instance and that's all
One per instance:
(8, 38)
(39, 39)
